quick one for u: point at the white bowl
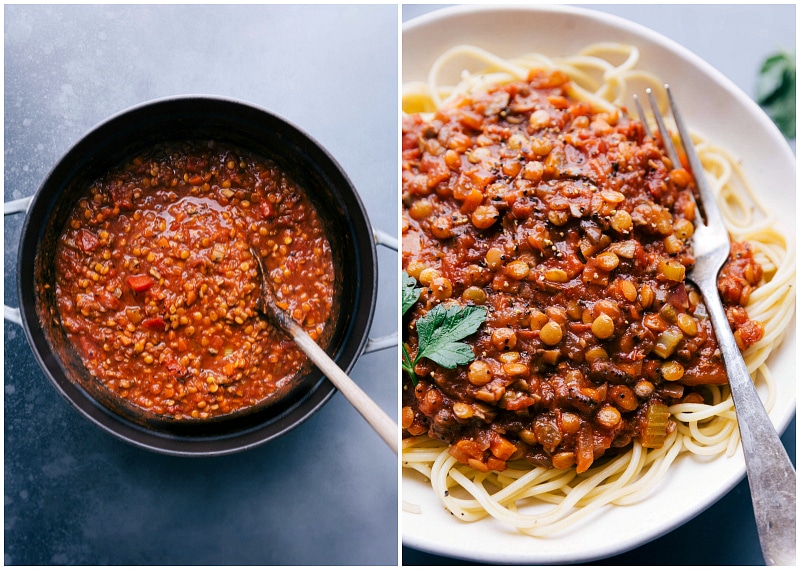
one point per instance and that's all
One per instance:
(713, 106)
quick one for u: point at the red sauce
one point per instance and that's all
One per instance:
(157, 287)
(574, 230)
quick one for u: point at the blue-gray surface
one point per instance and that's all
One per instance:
(735, 39)
(326, 493)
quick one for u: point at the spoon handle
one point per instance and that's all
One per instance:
(365, 406)
(371, 412)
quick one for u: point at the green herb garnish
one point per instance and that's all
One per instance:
(776, 91)
(410, 292)
(439, 334)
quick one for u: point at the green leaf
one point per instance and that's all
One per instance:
(771, 76)
(450, 354)
(441, 330)
(776, 91)
(408, 365)
(410, 292)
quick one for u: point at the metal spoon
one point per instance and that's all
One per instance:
(375, 416)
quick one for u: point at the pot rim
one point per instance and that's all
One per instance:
(273, 426)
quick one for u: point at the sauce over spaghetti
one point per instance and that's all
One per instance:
(573, 229)
(157, 287)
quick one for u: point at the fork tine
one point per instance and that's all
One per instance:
(710, 210)
(640, 112)
(666, 139)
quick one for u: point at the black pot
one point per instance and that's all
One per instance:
(253, 129)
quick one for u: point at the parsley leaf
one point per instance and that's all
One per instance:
(776, 91)
(410, 292)
(440, 332)
(441, 329)
(408, 365)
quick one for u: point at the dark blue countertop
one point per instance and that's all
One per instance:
(735, 40)
(326, 493)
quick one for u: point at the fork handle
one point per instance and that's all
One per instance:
(769, 471)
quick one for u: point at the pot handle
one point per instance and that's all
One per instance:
(390, 340)
(384, 239)
(19, 206)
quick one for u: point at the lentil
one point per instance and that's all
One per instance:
(551, 333)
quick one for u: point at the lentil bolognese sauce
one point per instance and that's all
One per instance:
(574, 230)
(531, 200)
(158, 291)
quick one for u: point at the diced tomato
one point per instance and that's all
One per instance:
(707, 371)
(501, 448)
(479, 176)
(107, 300)
(519, 402)
(748, 334)
(593, 274)
(471, 119)
(175, 369)
(156, 323)
(140, 283)
(265, 208)
(585, 448)
(494, 464)
(410, 141)
(122, 197)
(436, 170)
(86, 240)
(466, 449)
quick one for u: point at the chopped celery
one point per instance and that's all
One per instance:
(655, 425)
(667, 342)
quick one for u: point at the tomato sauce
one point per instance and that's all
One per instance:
(573, 229)
(157, 287)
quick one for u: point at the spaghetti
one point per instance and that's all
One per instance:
(541, 500)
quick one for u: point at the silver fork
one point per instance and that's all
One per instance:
(769, 470)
